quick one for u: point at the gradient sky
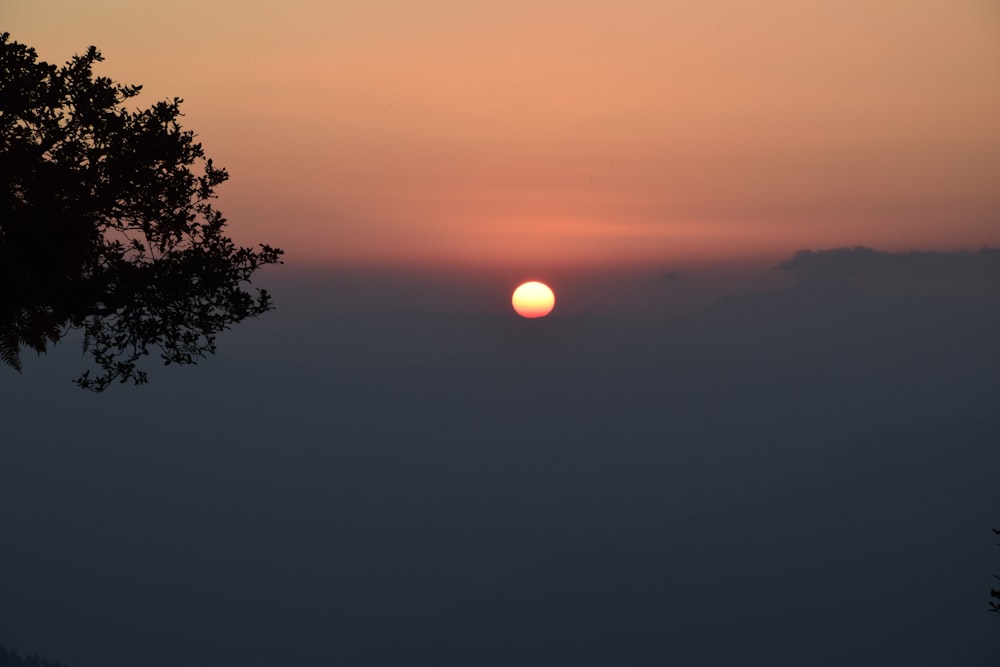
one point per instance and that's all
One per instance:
(583, 132)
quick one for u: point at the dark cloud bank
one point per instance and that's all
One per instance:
(796, 476)
(860, 260)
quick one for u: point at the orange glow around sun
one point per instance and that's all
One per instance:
(516, 135)
(533, 299)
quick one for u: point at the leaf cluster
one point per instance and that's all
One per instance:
(107, 224)
(994, 593)
(11, 658)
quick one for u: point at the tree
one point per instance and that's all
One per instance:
(10, 658)
(994, 593)
(107, 224)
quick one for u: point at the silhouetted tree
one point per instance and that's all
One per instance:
(994, 593)
(9, 658)
(106, 224)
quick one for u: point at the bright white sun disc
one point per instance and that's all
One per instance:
(533, 299)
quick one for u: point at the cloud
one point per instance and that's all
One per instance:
(866, 261)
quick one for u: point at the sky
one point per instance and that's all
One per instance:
(549, 135)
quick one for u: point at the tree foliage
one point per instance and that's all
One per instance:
(10, 658)
(995, 593)
(107, 224)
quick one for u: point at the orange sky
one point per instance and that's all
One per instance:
(549, 132)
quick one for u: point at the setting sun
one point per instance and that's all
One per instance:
(533, 299)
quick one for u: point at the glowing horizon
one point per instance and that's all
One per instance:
(514, 134)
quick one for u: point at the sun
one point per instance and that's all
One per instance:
(533, 299)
